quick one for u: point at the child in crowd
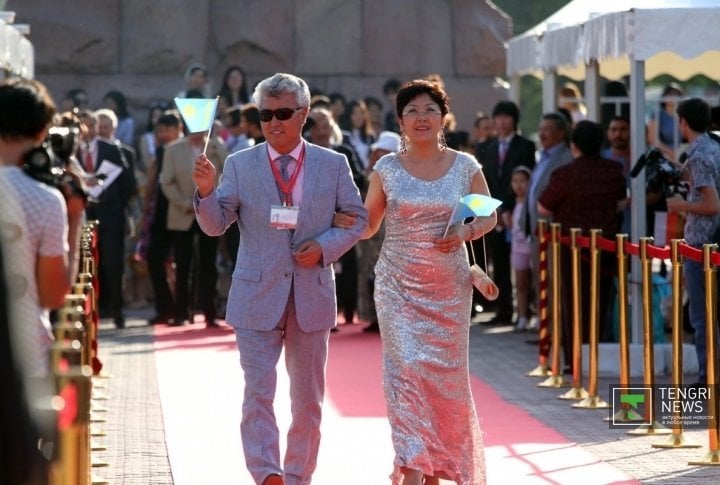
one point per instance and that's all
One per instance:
(520, 247)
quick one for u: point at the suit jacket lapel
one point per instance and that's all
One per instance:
(262, 165)
(312, 165)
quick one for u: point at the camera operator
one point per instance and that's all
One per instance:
(35, 220)
(34, 224)
(702, 209)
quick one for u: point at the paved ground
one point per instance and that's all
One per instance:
(136, 451)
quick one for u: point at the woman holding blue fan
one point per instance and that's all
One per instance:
(423, 292)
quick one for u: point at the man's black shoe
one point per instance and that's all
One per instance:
(178, 322)
(119, 321)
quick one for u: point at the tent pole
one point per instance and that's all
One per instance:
(592, 90)
(549, 92)
(637, 188)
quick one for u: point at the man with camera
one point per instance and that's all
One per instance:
(35, 221)
(701, 208)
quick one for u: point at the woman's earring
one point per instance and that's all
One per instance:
(403, 143)
(441, 141)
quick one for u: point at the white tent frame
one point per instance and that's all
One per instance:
(633, 35)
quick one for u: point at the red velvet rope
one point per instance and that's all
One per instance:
(634, 249)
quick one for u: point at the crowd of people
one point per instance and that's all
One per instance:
(328, 211)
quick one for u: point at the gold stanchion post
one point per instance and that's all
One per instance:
(593, 401)
(556, 379)
(542, 370)
(654, 428)
(623, 414)
(677, 438)
(577, 391)
(72, 466)
(712, 457)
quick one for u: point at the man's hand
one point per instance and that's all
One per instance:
(308, 254)
(676, 204)
(204, 175)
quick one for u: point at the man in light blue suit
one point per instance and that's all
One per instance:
(283, 195)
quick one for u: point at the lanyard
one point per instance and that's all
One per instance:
(287, 187)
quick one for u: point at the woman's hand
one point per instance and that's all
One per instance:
(344, 220)
(454, 240)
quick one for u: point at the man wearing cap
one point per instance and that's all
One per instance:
(283, 195)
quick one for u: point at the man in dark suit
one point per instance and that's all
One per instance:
(499, 157)
(108, 208)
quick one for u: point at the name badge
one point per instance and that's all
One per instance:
(284, 217)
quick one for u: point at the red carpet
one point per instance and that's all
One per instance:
(201, 391)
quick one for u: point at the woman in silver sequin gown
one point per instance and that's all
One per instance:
(423, 296)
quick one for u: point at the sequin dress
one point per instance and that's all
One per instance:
(423, 299)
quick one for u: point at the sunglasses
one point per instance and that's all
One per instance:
(282, 114)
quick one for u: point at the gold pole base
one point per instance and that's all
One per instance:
(591, 402)
(575, 394)
(100, 464)
(711, 458)
(623, 416)
(98, 481)
(676, 441)
(539, 371)
(650, 429)
(554, 381)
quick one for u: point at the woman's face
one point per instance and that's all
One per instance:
(235, 79)
(357, 117)
(197, 79)
(422, 119)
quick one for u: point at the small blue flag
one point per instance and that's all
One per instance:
(474, 205)
(198, 114)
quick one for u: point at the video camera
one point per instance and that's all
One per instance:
(49, 162)
(661, 175)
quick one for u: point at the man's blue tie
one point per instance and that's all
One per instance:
(284, 162)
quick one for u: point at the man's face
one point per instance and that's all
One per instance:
(321, 131)
(485, 129)
(549, 133)
(619, 135)
(105, 128)
(87, 128)
(504, 125)
(165, 134)
(283, 136)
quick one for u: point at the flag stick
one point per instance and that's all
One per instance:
(212, 122)
(450, 221)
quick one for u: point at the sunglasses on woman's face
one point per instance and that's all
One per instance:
(282, 114)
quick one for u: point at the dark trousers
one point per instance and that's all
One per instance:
(498, 255)
(205, 274)
(158, 252)
(346, 284)
(111, 252)
(607, 274)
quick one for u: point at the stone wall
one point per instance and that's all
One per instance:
(142, 47)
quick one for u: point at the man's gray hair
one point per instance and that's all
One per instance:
(279, 84)
(109, 114)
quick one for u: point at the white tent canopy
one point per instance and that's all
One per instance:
(17, 56)
(676, 37)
